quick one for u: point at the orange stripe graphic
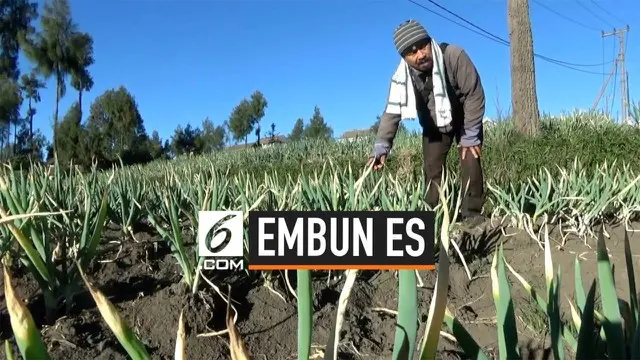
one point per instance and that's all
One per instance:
(341, 267)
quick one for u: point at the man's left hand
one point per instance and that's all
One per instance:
(475, 151)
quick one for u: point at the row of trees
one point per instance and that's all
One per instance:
(59, 51)
(17, 34)
(114, 128)
(245, 119)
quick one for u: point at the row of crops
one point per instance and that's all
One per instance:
(576, 175)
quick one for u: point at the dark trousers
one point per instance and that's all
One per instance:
(435, 148)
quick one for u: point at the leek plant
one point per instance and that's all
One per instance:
(30, 343)
(125, 199)
(170, 194)
(620, 334)
(51, 245)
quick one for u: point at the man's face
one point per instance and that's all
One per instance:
(419, 56)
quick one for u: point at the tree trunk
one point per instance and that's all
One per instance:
(30, 128)
(9, 148)
(524, 99)
(80, 104)
(55, 117)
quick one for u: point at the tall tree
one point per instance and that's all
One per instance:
(156, 148)
(10, 100)
(317, 127)
(246, 115)
(186, 140)
(34, 150)
(524, 97)
(30, 86)
(238, 122)
(272, 133)
(51, 49)
(259, 105)
(72, 141)
(298, 130)
(212, 138)
(115, 128)
(16, 17)
(81, 47)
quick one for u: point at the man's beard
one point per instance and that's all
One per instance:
(424, 65)
(423, 62)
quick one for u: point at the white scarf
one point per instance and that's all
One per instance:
(402, 99)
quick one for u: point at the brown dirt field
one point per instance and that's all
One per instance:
(144, 284)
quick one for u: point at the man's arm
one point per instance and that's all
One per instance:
(389, 123)
(387, 129)
(390, 119)
(470, 85)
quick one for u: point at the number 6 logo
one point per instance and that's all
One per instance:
(227, 225)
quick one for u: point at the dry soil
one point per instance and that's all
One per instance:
(144, 283)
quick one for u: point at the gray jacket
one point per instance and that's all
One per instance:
(467, 101)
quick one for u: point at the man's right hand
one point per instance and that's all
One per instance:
(379, 156)
(378, 163)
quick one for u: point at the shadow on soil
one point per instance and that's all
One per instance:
(475, 247)
(529, 351)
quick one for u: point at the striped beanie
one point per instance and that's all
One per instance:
(407, 34)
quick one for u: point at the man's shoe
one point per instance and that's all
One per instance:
(474, 224)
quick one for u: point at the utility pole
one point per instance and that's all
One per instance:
(524, 98)
(619, 65)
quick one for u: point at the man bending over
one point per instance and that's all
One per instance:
(439, 85)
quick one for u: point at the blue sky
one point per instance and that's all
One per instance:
(185, 60)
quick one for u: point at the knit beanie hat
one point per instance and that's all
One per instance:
(407, 34)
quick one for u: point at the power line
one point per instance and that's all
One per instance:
(501, 40)
(507, 42)
(594, 13)
(606, 12)
(565, 17)
(492, 37)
